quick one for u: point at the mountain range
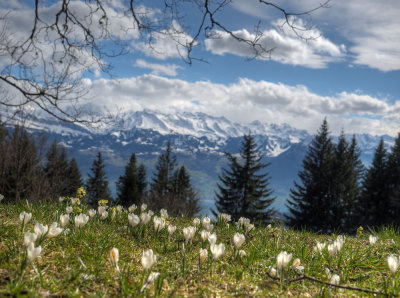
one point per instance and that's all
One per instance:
(198, 140)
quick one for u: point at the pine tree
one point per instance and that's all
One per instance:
(183, 198)
(242, 190)
(309, 204)
(142, 184)
(373, 206)
(345, 191)
(97, 184)
(74, 178)
(128, 189)
(55, 171)
(161, 186)
(394, 180)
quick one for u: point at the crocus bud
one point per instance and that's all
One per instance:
(25, 217)
(64, 220)
(171, 229)
(114, 256)
(238, 240)
(54, 230)
(203, 255)
(148, 259)
(283, 260)
(29, 238)
(133, 220)
(33, 252)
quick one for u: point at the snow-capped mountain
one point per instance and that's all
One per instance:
(199, 141)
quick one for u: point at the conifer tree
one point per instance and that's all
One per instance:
(128, 189)
(97, 184)
(394, 180)
(142, 183)
(183, 198)
(161, 185)
(243, 190)
(373, 206)
(74, 178)
(310, 200)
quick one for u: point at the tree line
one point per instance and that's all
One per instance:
(28, 171)
(333, 192)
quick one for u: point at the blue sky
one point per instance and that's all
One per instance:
(349, 74)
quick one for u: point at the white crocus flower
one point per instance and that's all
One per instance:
(64, 220)
(92, 213)
(145, 217)
(133, 220)
(132, 208)
(249, 227)
(335, 279)
(332, 249)
(164, 213)
(224, 217)
(189, 233)
(40, 229)
(319, 247)
(101, 210)
(68, 210)
(114, 256)
(148, 259)
(217, 250)
(150, 213)
(54, 230)
(242, 253)
(273, 272)
(196, 222)
(212, 238)
(119, 208)
(25, 217)
(33, 252)
(171, 229)
(204, 235)
(143, 207)
(73, 201)
(243, 221)
(29, 238)
(393, 263)
(104, 215)
(159, 223)
(372, 239)
(238, 240)
(81, 220)
(283, 260)
(297, 265)
(209, 227)
(203, 255)
(206, 221)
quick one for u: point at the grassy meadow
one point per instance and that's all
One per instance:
(81, 261)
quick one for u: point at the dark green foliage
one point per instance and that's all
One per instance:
(97, 184)
(131, 186)
(21, 175)
(373, 207)
(171, 189)
(394, 180)
(56, 171)
(242, 190)
(163, 176)
(184, 198)
(74, 178)
(310, 200)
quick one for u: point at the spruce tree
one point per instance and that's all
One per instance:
(243, 190)
(97, 184)
(56, 171)
(183, 198)
(373, 206)
(394, 180)
(310, 200)
(142, 183)
(128, 192)
(74, 178)
(161, 186)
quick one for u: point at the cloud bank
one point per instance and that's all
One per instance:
(248, 100)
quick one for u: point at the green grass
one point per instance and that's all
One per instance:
(78, 263)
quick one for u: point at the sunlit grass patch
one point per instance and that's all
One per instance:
(110, 256)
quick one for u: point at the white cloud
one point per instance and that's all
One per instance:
(371, 28)
(287, 47)
(166, 69)
(248, 100)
